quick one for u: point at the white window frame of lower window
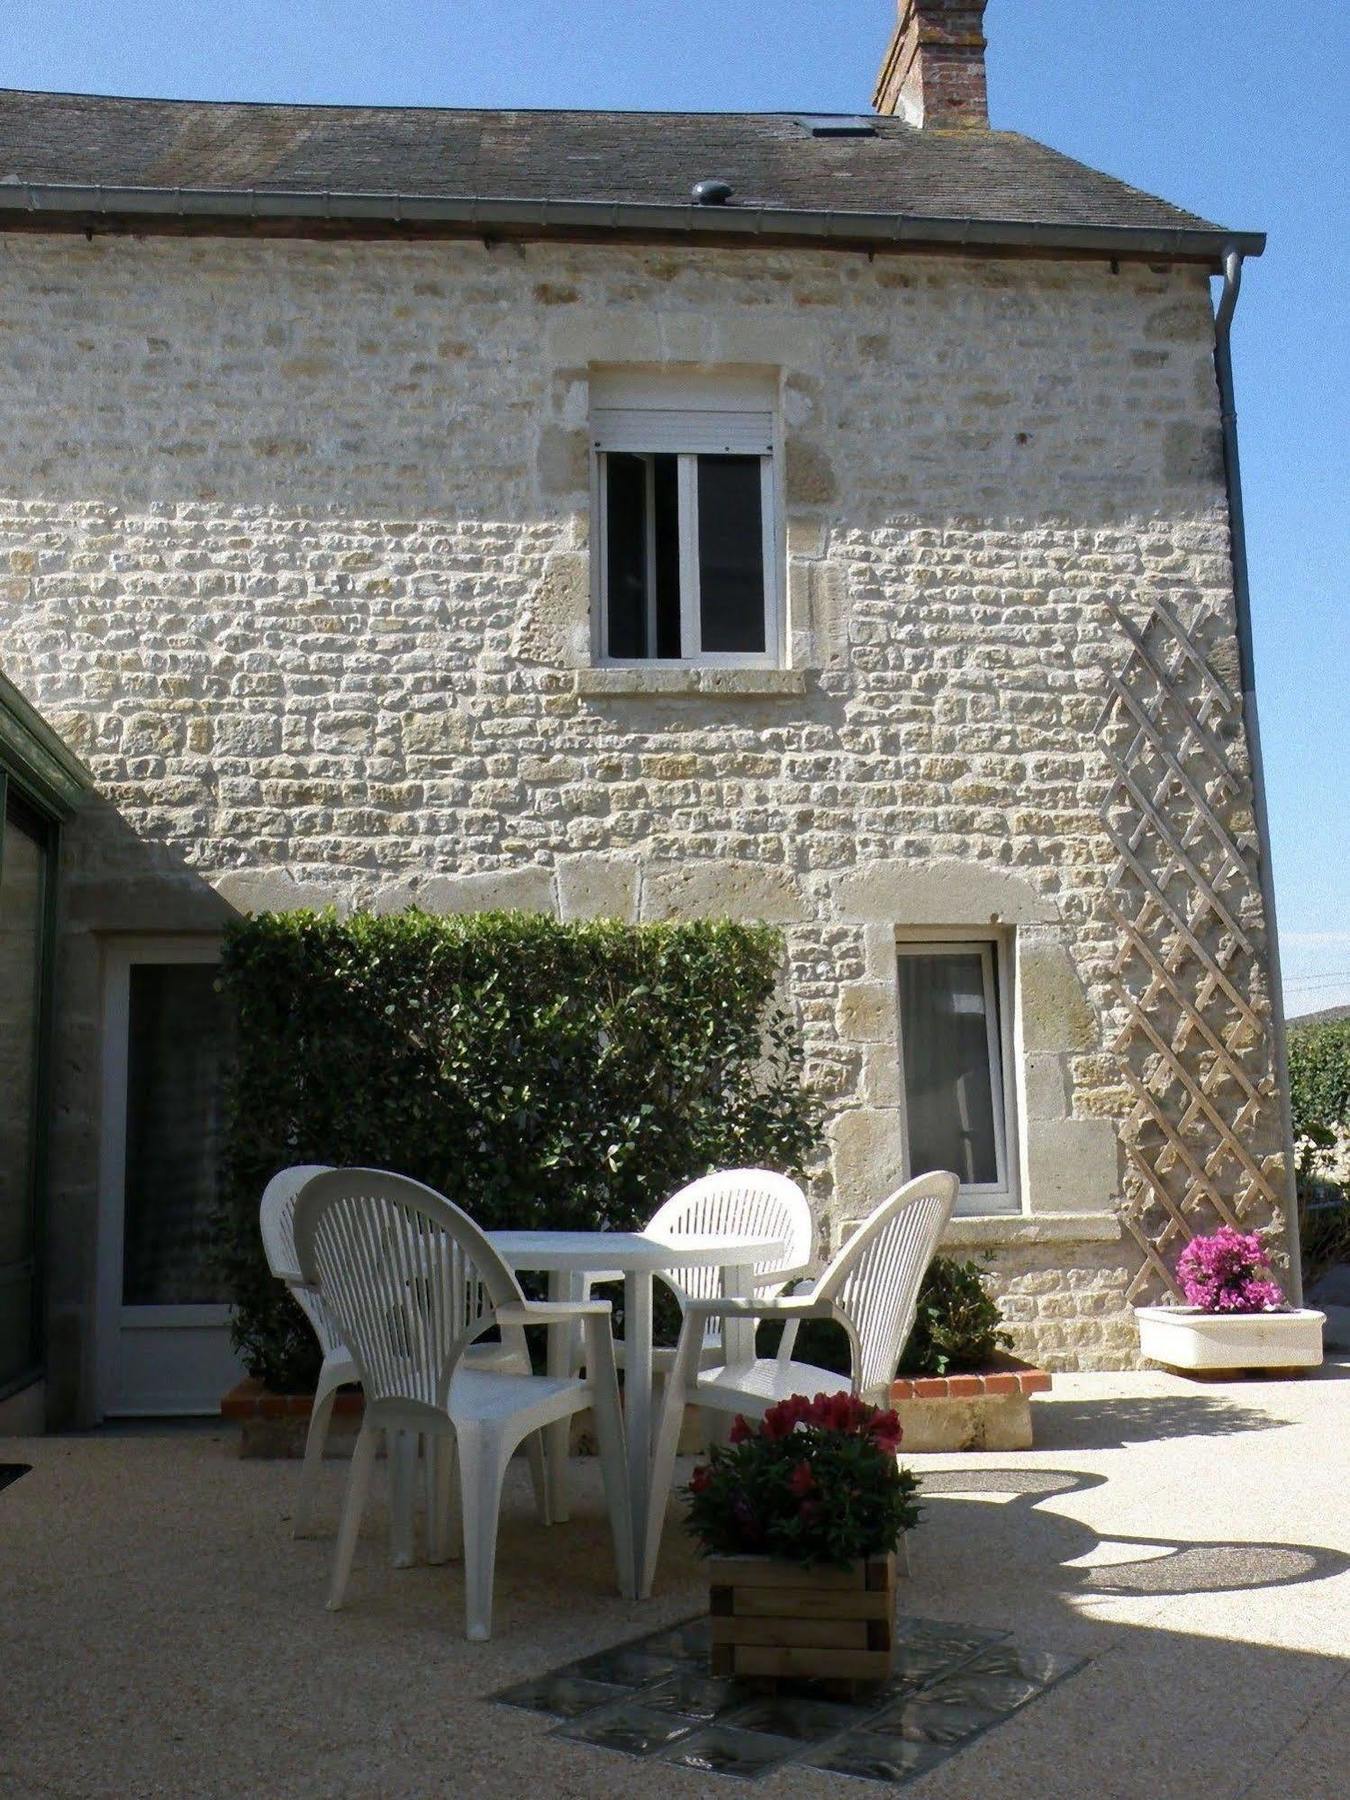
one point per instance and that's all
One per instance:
(691, 609)
(996, 956)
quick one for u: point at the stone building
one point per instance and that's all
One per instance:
(824, 520)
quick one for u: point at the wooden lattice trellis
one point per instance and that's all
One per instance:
(1202, 1138)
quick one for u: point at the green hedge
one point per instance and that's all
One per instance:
(539, 1074)
(1319, 1089)
(1319, 1093)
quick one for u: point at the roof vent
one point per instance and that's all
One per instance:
(837, 125)
(711, 193)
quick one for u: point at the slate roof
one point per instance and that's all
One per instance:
(628, 159)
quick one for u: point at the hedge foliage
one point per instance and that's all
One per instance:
(1319, 1090)
(538, 1074)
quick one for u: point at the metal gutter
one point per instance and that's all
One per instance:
(1237, 528)
(80, 207)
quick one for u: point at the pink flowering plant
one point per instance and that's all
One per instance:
(817, 1482)
(1228, 1272)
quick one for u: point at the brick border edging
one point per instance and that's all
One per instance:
(252, 1400)
(1005, 1377)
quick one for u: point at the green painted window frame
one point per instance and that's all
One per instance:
(47, 782)
(47, 831)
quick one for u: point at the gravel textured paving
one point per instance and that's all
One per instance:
(164, 1636)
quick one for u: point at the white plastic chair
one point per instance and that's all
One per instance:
(728, 1203)
(871, 1288)
(276, 1218)
(734, 1203)
(413, 1283)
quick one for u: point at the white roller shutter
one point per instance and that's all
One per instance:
(656, 430)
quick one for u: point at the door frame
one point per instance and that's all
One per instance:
(119, 956)
(47, 835)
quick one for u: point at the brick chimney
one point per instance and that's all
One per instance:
(933, 73)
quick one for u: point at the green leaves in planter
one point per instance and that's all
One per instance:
(538, 1074)
(958, 1324)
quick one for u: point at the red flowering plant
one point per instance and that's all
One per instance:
(818, 1482)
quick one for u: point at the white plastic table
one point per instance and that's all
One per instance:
(567, 1257)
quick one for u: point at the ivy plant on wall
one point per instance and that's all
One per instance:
(536, 1073)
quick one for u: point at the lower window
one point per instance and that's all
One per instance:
(953, 1019)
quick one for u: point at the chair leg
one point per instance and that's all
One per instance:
(682, 1382)
(534, 1450)
(442, 1517)
(714, 1426)
(315, 1439)
(482, 1465)
(358, 1485)
(402, 1455)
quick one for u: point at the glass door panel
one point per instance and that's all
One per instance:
(176, 1051)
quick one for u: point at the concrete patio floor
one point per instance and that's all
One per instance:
(164, 1636)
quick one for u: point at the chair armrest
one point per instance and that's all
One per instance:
(551, 1312)
(784, 1278)
(806, 1308)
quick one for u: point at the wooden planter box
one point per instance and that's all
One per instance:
(780, 1621)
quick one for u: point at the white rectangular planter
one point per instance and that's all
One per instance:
(1185, 1337)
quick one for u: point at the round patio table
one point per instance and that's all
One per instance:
(568, 1257)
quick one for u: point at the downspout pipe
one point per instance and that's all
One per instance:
(1223, 366)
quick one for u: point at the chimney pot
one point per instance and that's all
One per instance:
(933, 72)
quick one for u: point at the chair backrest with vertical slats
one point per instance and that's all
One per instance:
(276, 1220)
(736, 1203)
(875, 1279)
(409, 1278)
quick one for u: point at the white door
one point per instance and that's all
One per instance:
(163, 1325)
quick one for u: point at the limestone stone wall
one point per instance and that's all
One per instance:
(294, 551)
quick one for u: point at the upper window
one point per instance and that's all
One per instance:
(686, 520)
(953, 1019)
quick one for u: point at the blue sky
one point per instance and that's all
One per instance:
(1235, 108)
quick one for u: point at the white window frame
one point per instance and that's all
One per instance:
(113, 1317)
(687, 416)
(996, 957)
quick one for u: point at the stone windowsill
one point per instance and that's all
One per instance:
(706, 683)
(992, 1231)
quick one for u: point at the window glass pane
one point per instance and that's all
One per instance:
(666, 492)
(731, 553)
(22, 869)
(949, 1092)
(643, 547)
(626, 549)
(178, 1047)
